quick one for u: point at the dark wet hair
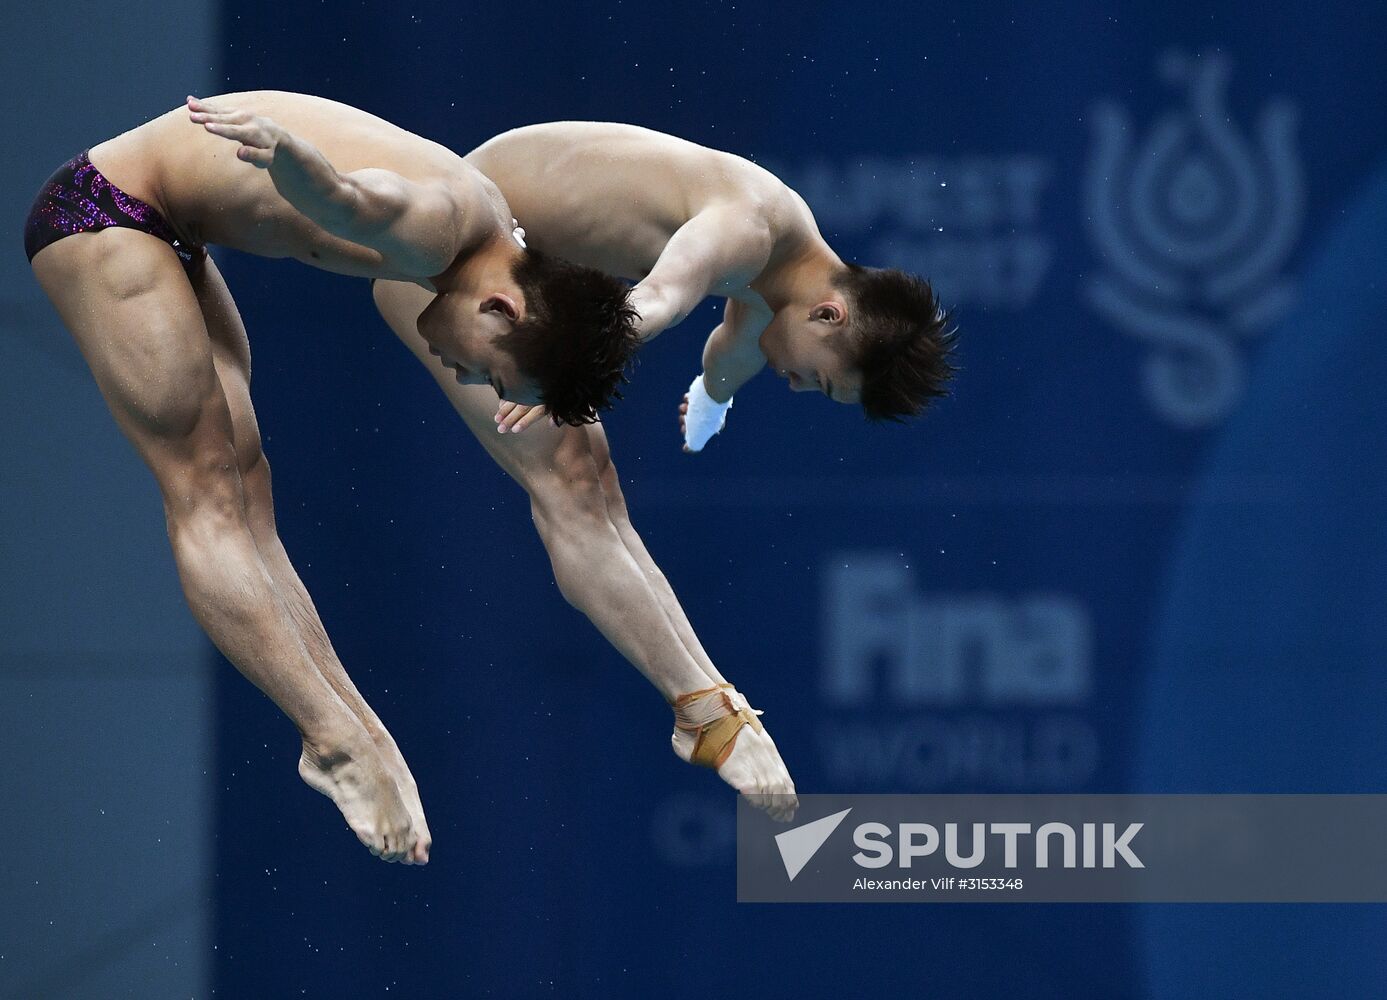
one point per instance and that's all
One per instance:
(578, 336)
(899, 337)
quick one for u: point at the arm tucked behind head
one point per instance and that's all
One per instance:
(416, 228)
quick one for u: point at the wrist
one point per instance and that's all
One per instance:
(281, 142)
(700, 397)
(719, 390)
(703, 417)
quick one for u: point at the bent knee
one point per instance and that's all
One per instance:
(561, 505)
(259, 497)
(609, 481)
(202, 482)
(567, 478)
(250, 455)
(177, 409)
(610, 484)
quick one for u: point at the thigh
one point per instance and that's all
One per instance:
(231, 359)
(127, 301)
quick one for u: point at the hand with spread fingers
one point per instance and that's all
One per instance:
(258, 136)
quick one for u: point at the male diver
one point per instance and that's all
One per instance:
(684, 222)
(117, 239)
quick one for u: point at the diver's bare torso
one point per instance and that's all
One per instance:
(612, 196)
(209, 196)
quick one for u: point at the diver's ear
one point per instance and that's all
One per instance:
(829, 311)
(502, 303)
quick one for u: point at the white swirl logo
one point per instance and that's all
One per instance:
(1194, 227)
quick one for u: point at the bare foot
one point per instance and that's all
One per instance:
(753, 767)
(360, 786)
(409, 792)
(756, 770)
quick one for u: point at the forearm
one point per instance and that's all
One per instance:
(721, 386)
(725, 372)
(306, 180)
(375, 208)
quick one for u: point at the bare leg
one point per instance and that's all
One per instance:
(231, 357)
(755, 760)
(555, 465)
(126, 300)
(659, 585)
(564, 475)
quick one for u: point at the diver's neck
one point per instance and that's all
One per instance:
(490, 263)
(800, 277)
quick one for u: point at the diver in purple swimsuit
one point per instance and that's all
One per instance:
(117, 238)
(77, 199)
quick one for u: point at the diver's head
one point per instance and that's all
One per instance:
(876, 337)
(536, 328)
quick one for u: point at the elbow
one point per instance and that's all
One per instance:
(658, 309)
(341, 208)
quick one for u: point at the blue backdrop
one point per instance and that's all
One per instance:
(1139, 549)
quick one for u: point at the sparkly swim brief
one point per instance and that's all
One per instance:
(78, 199)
